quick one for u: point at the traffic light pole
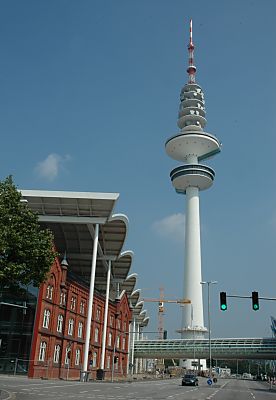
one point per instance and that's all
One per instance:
(250, 297)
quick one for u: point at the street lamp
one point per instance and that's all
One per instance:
(209, 322)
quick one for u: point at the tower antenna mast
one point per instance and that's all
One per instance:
(191, 68)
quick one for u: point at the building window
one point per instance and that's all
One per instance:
(77, 358)
(56, 353)
(124, 326)
(80, 327)
(67, 355)
(94, 359)
(118, 342)
(42, 351)
(111, 320)
(59, 323)
(98, 314)
(96, 335)
(46, 319)
(124, 343)
(62, 298)
(73, 303)
(118, 324)
(49, 292)
(108, 362)
(82, 307)
(110, 339)
(70, 326)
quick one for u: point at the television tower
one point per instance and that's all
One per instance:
(191, 146)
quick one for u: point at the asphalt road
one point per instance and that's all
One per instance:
(20, 388)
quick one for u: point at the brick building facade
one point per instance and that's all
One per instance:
(60, 325)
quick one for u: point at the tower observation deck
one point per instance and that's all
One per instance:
(191, 146)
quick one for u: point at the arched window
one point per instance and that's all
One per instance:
(46, 319)
(56, 353)
(49, 292)
(42, 351)
(59, 323)
(80, 327)
(62, 298)
(70, 326)
(73, 303)
(77, 359)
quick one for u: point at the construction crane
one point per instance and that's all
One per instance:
(161, 309)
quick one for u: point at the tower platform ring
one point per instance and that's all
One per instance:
(199, 143)
(192, 175)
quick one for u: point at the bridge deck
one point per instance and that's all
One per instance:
(254, 348)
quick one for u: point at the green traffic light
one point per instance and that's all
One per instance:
(223, 307)
(256, 307)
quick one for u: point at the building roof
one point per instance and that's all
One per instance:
(71, 216)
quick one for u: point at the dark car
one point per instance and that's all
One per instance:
(189, 379)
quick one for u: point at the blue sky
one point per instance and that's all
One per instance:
(89, 93)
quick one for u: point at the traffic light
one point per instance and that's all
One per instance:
(223, 302)
(116, 358)
(255, 301)
(165, 335)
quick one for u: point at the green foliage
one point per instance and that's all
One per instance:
(26, 251)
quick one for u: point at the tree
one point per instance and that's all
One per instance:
(26, 250)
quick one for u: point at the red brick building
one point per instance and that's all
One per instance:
(60, 325)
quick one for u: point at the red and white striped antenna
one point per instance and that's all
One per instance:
(191, 68)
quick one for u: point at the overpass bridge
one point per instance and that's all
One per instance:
(254, 348)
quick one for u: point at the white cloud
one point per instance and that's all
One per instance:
(50, 167)
(172, 226)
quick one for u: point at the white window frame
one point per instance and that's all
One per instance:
(82, 304)
(42, 351)
(96, 334)
(123, 343)
(108, 362)
(62, 298)
(73, 303)
(70, 326)
(57, 353)
(46, 319)
(118, 342)
(67, 359)
(95, 359)
(60, 323)
(77, 358)
(110, 339)
(80, 329)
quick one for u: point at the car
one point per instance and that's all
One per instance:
(189, 379)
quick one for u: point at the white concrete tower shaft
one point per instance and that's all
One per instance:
(191, 146)
(192, 272)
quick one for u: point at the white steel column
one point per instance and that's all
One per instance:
(91, 296)
(137, 339)
(132, 346)
(128, 347)
(105, 314)
(192, 271)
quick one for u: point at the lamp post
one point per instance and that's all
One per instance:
(209, 322)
